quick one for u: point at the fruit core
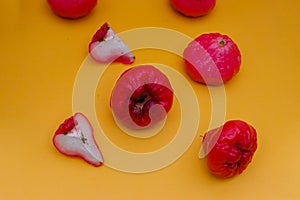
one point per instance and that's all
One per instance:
(77, 133)
(140, 101)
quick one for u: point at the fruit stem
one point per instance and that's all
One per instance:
(82, 138)
(222, 42)
(202, 136)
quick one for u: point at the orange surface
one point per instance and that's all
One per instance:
(42, 53)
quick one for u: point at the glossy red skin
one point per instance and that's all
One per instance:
(65, 128)
(72, 9)
(234, 149)
(100, 34)
(130, 90)
(125, 60)
(225, 56)
(193, 8)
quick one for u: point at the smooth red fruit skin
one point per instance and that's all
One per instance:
(218, 49)
(66, 126)
(125, 60)
(193, 8)
(72, 8)
(101, 33)
(130, 90)
(233, 150)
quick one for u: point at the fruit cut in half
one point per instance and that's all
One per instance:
(107, 47)
(212, 59)
(142, 96)
(75, 137)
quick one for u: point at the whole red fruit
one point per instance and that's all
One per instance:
(72, 8)
(230, 148)
(212, 59)
(193, 8)
(142, 97)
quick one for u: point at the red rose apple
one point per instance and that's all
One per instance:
(142, 96)
(72, 8)
(193, 8)
(75, 137)
(106, 47)
(230, 148)
(212, 59)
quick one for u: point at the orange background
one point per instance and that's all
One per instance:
(41, 54)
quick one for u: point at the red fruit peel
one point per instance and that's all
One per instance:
(106, 47)
(142, 96)
(193, 8)
(75, 137)
(230, 148)
(72, 9)
(212, 59)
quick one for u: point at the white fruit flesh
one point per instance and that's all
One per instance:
(110, 48)
(80, 141)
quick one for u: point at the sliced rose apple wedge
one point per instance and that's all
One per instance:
(75, 137)
(106, 47)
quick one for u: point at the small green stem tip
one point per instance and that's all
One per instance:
(222, 42)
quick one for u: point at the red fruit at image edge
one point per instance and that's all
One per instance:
(233, 150)
(193, 8)
(212, 59)
(72, 8)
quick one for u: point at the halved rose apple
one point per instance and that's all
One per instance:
(75, 137)
(106, 47)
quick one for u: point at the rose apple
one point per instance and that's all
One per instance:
(193, 8)
(72, 8)
(212, 59)
(230, 148)
(142, 96)
(75, 137)
(106, 47)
